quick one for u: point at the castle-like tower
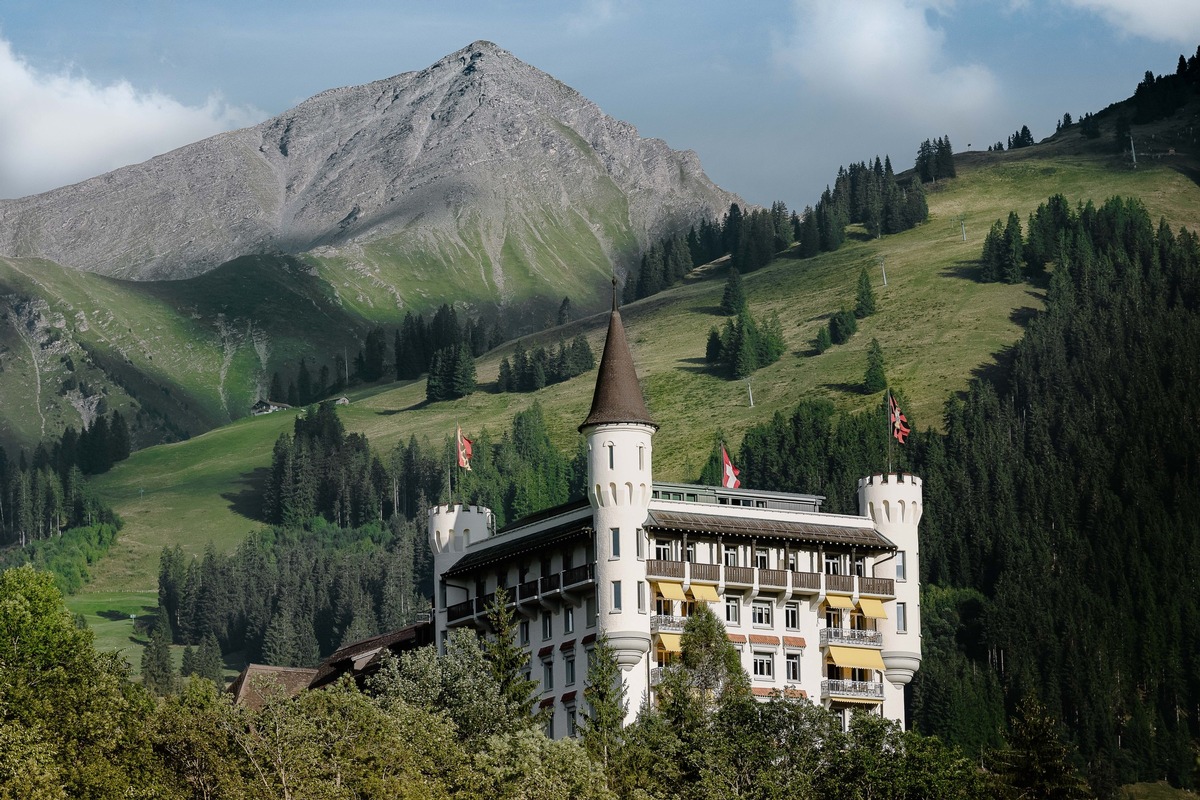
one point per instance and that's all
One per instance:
(619, 431)
(893, 502)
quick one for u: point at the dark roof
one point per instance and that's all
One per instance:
(863, 535)
(363, 657)
(505, 547)
(618, 396)
(251, 687)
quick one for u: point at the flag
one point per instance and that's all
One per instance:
(900, 427)
(464, 450)
(729, 473)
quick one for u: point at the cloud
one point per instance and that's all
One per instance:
(1176, 21)
(594, 15)
(886, 55)
(61, 128)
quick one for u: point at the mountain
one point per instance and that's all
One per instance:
(175, 288)
(471, 157)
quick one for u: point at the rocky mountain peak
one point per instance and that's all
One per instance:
(477, 149)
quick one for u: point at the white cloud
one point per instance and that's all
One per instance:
(1176, 21)
(594, 15)
(61, 128)
(885, 56)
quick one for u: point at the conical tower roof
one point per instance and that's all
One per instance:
(618, 397)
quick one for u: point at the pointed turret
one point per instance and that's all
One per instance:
(618, 396)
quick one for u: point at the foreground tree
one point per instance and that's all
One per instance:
(606, 705)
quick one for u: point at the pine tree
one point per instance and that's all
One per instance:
(506, 659)
(606, 705)
(875, 379)
(733, 302)
(158, 673)
(823, 342)
(864, 303)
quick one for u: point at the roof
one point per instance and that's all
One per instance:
(254, 686)
(364, 656)
(858, 535)
(618, 395)
(503, 547)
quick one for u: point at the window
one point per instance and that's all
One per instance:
(761, 558)
(833, 565)
(791, 562)
(731, 556)
(689, 553)
(833, 617)
(641, 457)
(547, 676)
(524, 631)
(611, 460)
(616, 542)
(638, 537)
(901, 617)
(761, 613)
(550, 723)
(589, 608)
(662, 551)
(663, 607)
(572, 726)
(641, 596)
(793, 667)
(901, 566)
(547, 625)
(616, 595)
(860, 566)
(569, 669)
(732, 610)
(569, 620)
(764, 665)
(791, 615)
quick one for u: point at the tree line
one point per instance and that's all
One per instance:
(459, 724)
(530, 371)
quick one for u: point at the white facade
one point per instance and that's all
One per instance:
(822, 606)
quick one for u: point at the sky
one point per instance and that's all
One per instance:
(772, 95)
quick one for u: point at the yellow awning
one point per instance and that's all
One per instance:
(872, 608)
(856, 657)
(670, 642)
(671, 591)
(863, 701)
(839, 601)
(706, 593)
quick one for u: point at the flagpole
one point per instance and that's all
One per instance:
(887, 415)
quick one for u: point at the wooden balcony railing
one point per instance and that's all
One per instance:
(706, 572)
(869, 689)
(657, 568)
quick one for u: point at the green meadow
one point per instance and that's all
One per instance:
(938, 327)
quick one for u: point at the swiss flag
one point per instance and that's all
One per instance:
(464, 450)
(729, 473)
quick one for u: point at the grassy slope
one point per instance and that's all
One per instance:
(936, 324)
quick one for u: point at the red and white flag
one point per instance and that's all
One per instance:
(464, 450)
(729, 473)
(900, 428)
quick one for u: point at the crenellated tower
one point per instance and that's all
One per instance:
(451, 529)
(619, 431)
(893, 502)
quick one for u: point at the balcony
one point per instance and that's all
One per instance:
(709, 573)
(842, 584)
(657, 568)
(882, 587)
(656, 676)
(578, 575)
(527, 591)
(851, 637)
(865, 690)
(739, 576)
(665, 622)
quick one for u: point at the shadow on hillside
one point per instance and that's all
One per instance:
(714, 311)
(1023, 316)
(996, 371)
(247, 501)
(809, 353)
(849, 388)
(391, 412)
(112, 615)
(859, 236)
(967, 270)
(1189, 172)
